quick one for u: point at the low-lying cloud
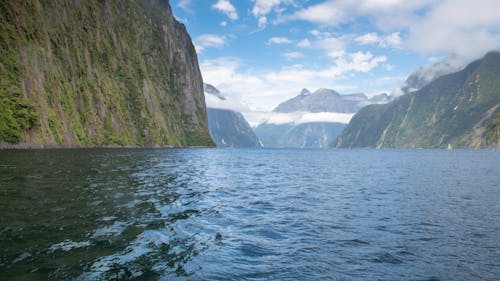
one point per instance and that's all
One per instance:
(255, 118)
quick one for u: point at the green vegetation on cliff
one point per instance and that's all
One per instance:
(98, 72)
(493, 130)
(459, 110)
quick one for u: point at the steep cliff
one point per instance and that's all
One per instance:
(98, 72)
(461, 109)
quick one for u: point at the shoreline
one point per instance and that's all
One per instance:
(4, 147)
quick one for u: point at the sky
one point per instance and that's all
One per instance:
(260, 53)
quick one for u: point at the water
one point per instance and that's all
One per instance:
(215, 214)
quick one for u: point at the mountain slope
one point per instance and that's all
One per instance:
(87, 73)
(461, 109)
(228, 128)
(306, 135)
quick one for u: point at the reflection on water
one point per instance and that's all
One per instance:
(206, 214)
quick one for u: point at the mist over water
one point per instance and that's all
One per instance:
(218, 214)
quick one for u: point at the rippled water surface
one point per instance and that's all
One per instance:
(215, 214)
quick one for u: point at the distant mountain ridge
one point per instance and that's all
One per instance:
(320, 133)
(327, 100)
(228, 128)
(305, 135)
(460, 109)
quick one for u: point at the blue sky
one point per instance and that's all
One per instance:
(262, 52)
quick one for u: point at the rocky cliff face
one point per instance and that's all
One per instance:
(95, 73)
(461, 109)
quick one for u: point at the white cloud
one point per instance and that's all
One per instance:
(468, 28)
(359, 61)
(392, 40)
(278, 118)
(304, 43)
(332, 46)
(367, 39)
(184, 4)
(231, 102)
(316, 32)
(293, 55)
(264, 90)
(312, 77)
(227, 8)
(278, 40)
(262, 8)
(425, 74)
(324, 13)
(385, 13)
(262, 21)
(209, 40)
(326, 117)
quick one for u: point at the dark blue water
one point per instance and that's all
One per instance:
(212, 214)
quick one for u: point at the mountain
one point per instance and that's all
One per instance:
(228, 128)
(460, 109)
(326, 100)
(98, 73)
(425, 74)
(381, 98)
(306, 135)
(318, 106)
